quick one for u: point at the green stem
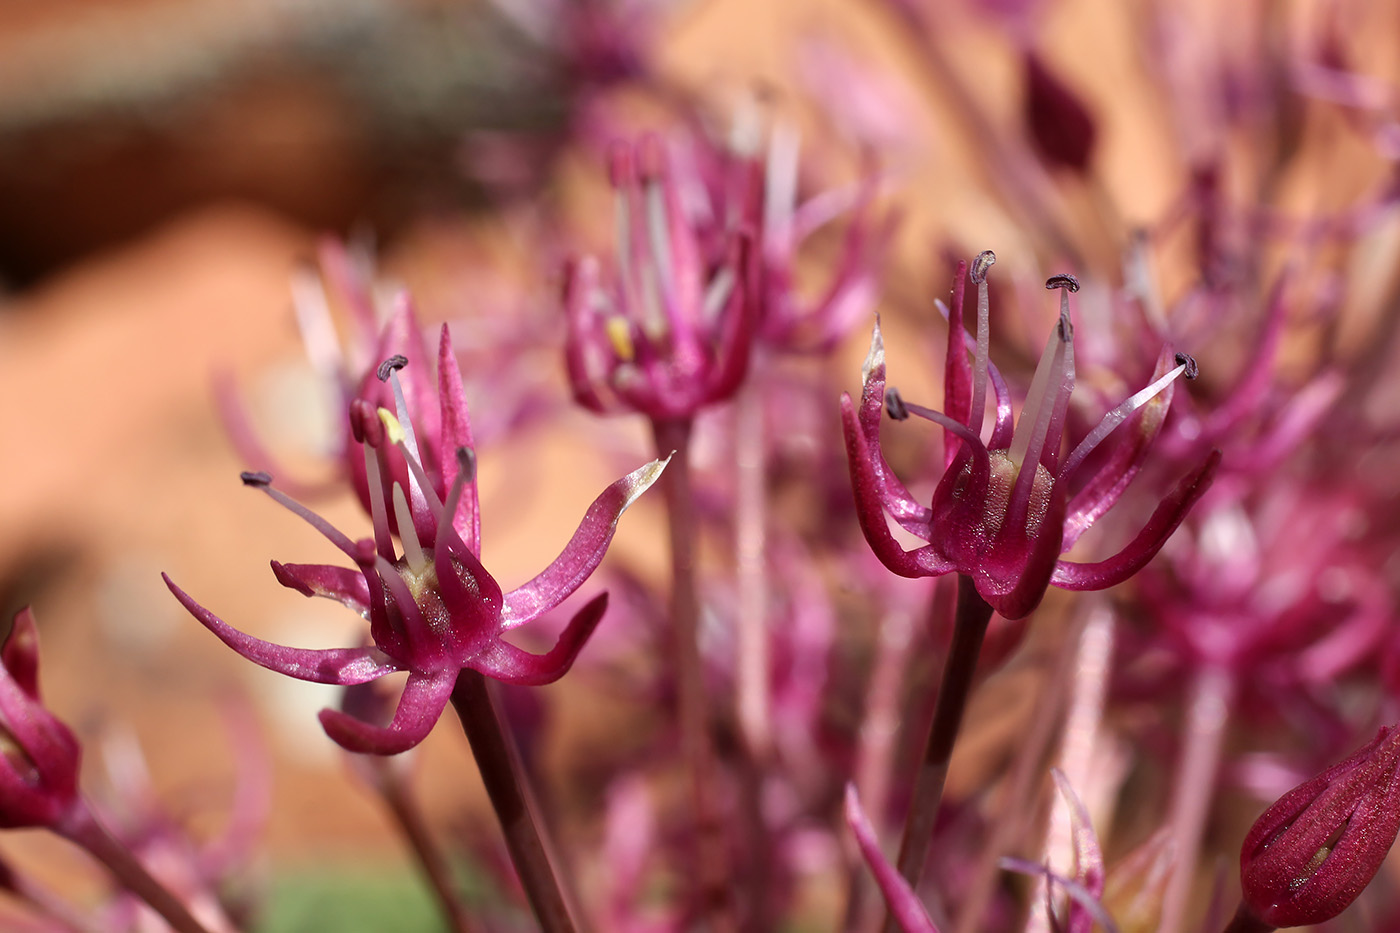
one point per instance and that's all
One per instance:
(499, 763)
(969, 627)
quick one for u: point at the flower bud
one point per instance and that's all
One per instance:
(1312, 852)
(38, 754)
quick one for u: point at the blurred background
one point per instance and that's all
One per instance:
(166, 167)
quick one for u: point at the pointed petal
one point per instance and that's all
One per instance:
(584, 551)
(345, 586)
(20, 655)
(509, 664)
(1076, 576)
(894, 495)
(581, 333)
(1002, 429)
(341, 666)
(1015, 590)
(903, 903)
(737, 321)
(424, 698)
(1088, 857)
(456, 434)
(870, 507)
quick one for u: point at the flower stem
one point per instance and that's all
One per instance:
(969, 627)
(1244, 921)
(710, 872)
(499, 763)
(752, 698)
(83, 829)
(398, 796)
(1207, 716)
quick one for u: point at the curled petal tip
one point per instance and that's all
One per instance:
(875, 359)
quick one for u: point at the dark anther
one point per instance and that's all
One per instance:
(894, 405)
(1063, 280)
(466, 463)
(364, 552)
(981, 264)
(1192, 370)
(258, 479)
(397, 361)
(365, 425)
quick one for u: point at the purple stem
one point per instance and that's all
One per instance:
(969, 626)
(1207, 717)
(82, 828)
(711, 877)
(1244, 921)
(399, 797)
(499, 764)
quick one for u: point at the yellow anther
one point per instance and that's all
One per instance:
(392, 427)
(620, 333)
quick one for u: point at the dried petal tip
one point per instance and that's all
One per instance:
(984, 261)
(1189, 361)
(1063, 280)
(258, 479)
(894, 405)
(392, 364)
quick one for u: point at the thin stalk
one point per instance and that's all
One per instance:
(1026, 771)
(499, 763)
(1244, 921)
(431, 860)
(710, 858)
(969, 626)
(752, 699)
(82, 828)
(1207, 717)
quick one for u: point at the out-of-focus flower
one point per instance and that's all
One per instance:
(673, 332)
(1311, 853)
(903, 902)
(1004, 511)
(1061, 127)
(433, 610)
(38, 754)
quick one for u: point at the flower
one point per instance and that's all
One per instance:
(674, 331)
(990, 519)
(1311, 853)
(38, 754)
(433, 610)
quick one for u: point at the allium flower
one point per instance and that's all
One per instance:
(433, 610)
(38, 754)
(1311, 853)
(1000, 524)
(673, 332)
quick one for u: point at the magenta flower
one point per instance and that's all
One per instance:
(433, 609)
(673, 332)
(38, 754)
(1006, 509)
(1311, 853)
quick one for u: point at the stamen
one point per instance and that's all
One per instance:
(313, 316)
(466, 464)
(415, 628)
(365, 426)
(1120, 414)
(1063, 280)
(257, 480)
(390, 366)
(717, 292)
(894, 405)
(418, 478)
(378, 512)
(977, 413)
(780, 184)
(408, 534)
(1043, 410)
(658, 229)
(1192, 370)
(260, 481)
(409, 441)
(619, 334)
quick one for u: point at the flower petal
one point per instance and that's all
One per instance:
(894, 495)
(870, 507)
(345, 586)
(456, 434)
(424, 698)
(584, 551)
(1088, 857)
(903, 903)
(509, 664)
(343, 666)
(1097, 576)
(20, 654)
